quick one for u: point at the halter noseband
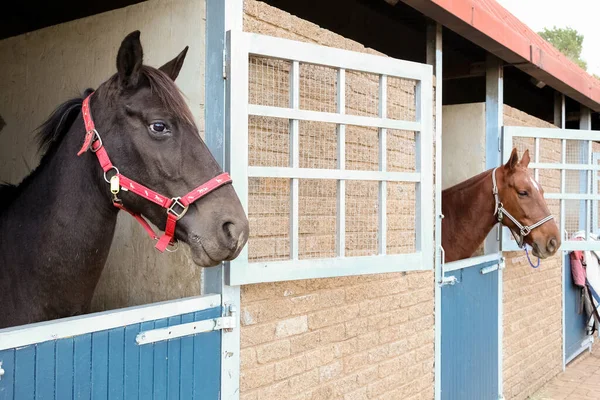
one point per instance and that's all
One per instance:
(501, 211)
(176, 206)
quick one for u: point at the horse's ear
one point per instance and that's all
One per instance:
(513, 160)
(173, 67)
(129, 60)
(525, 160)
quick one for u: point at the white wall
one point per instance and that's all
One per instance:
(463, 144)
(42, 69)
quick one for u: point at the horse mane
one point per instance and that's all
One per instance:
(49, 135)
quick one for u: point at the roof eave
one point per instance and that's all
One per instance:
(482, 28)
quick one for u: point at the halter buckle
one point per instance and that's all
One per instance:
(525, 231)
(95, 139)
(180, 211)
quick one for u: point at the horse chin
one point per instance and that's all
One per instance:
(201, 258)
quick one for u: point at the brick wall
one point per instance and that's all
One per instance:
(362, 337)
(532, 298)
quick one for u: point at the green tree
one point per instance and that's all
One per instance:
(568, 41)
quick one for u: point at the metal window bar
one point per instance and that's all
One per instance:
(588, 202)
(341, 156)
(588, 167)
(382, 166)
(243, 45)
(563, 188)
(294, 158)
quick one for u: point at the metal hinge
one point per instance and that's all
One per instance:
(1, 371)
(225, 323)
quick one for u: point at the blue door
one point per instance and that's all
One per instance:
(114, 363)
(576, 339)
(469, 349)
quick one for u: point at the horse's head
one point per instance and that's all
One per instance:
(150, 135)
(523, 197)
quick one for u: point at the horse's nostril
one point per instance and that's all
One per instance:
(234, 235)
(229, 229)
(552, 245)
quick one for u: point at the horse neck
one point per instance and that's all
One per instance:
(468, 210)
(60, 227)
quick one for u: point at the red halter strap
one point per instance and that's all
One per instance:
(176, 206)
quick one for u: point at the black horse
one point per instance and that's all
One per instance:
(56, 227)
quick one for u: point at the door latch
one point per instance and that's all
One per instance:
(1, 371)
(448, 280)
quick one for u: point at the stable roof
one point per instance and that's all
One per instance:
(490, 26)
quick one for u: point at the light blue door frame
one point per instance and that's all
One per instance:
(470, 340)
(111, 364)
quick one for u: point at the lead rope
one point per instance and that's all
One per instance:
(523, 230)
(529, 259)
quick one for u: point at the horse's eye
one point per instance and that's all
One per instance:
(159, 127)
(523, 193)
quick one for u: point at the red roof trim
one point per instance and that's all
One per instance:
(489, 25)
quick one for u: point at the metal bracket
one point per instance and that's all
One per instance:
(1, 371)
(489, 269)
(225, 323)
(448, 280)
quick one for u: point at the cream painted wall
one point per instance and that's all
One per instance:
(463, 147)
(41, 69)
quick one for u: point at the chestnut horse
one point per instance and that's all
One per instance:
(473, 207)
(140, 147)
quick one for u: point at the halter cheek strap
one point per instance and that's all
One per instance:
(176, 207)
(499, 210)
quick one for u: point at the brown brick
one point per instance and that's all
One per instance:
(304, 304)
(322, 393)
(273, 351)
(330, 371)
(257, 313)
(249, 396)
(368, 340)
(305, 342)
(292, 366)
(356, 361)
(357, 326)
(333, 333)
(257, 334)
(252, 378)
(300, 383)
(360, 394)
(322, 356)
(325, 318)
(248, 358)
(291, 326)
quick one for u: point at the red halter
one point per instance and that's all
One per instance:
(176, 206)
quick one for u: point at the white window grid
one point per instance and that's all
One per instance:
(242, 45)
(584, 203)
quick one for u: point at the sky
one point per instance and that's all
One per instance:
(581, 15)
